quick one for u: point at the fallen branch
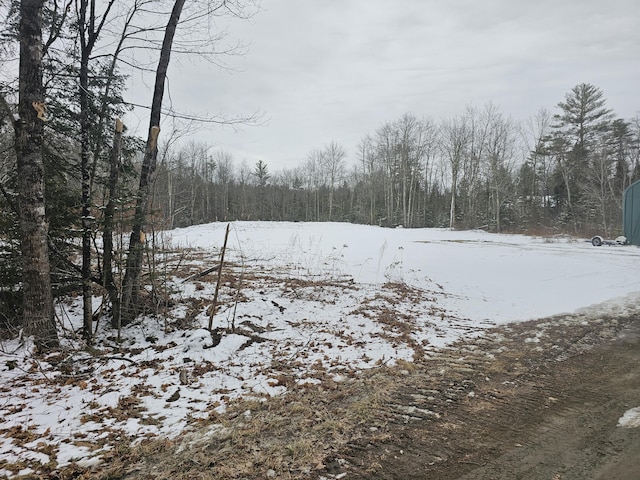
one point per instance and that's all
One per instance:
(201, 274)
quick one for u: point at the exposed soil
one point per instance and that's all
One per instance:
(535, 400)
(539, 400)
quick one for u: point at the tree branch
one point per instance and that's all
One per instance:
(254, 119)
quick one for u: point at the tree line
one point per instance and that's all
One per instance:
(79, 196)
(557, 172)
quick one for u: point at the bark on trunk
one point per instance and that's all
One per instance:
(85, 161)
(452, 210)
(37, 313)
(89, 33)
(132, 280)
(109, 222)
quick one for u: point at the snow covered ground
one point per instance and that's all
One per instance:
(310, 302)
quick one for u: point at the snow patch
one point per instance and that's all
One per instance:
(324, 302)
(630, 419)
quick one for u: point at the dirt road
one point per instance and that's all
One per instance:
(539, 400)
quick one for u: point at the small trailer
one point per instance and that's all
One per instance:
(598, 241)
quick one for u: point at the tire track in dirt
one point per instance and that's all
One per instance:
(577, 441)
(537, 400)
(534, 400)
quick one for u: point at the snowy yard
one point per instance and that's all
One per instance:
(310, 302)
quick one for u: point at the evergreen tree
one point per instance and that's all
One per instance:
(579, 129)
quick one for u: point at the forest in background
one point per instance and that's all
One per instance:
(557, 172)
(103, 193)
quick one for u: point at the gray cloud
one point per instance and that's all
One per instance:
(335, 70)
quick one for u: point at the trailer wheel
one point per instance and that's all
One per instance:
(597, 241)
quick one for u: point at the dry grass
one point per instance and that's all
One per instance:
(289, 436)
(399, 326)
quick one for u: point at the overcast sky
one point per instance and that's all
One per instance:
(335, 70)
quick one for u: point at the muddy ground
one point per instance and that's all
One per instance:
(534, 400)
(539, 400)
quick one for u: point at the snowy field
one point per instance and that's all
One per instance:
(310, 303)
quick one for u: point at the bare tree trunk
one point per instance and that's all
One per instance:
(498, 208)
(86, 41)
(29, 128)
(330, 200)
(452, 209)
(89, 33)
(109, 213)
(132, 283)
(170, 197)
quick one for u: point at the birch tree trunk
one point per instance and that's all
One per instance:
(29, 128)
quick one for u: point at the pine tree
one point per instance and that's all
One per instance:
(579, 128)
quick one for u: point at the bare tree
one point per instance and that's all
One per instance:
(430, 145)
(455, 137)
(386, 151)
(90, 25)
(133, 39)
(414, 145)
(224, 170)
(499, 159)
(471, 185)
(535, 176)
(332, 159)
(367, 157)
(600, 188)
(109, 214)
(314, 180)
(132, 280)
